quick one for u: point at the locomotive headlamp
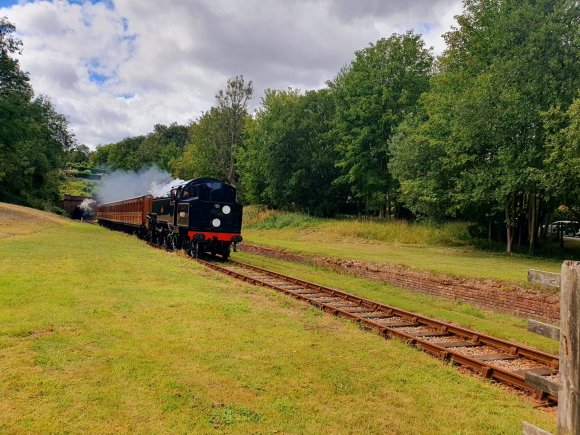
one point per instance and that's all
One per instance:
(226, 209)
(216, 223)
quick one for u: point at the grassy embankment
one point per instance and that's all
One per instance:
(101, 333)
(446, 249)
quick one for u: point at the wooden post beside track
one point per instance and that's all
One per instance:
(569, 334)
(569, 394)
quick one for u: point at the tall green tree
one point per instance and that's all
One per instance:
(563, 156)
(33, 136)
(216, 136)
(373, 95)
(506, 63)
(288, 157)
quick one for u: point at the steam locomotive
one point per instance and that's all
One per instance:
(201, 216)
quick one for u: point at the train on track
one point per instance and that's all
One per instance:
(200, 216)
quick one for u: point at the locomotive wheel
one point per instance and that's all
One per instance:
(151, 236)
(171, 242)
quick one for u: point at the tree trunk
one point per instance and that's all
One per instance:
(509, 225)
(489, 229)
(544, 230)
(533, 214)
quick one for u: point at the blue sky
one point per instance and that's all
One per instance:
(116, 69)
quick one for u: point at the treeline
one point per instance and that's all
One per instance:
(489, 131)
(158, 148)
(34, 138)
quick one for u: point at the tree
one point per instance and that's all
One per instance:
(380, 87)
(206, 155)
(288, 157)
(416, 162)
(508, 62)
(164, 144)
(33, 136)
(217, 134)
(563, 157)
(159, 148)
(12, 79)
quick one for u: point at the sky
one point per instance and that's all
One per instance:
(116, 68)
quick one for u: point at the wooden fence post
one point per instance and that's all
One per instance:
(569, 394)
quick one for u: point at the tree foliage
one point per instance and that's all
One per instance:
(563, 156)
(507, 63)
(160, 148)
(380, 87)
(217, 135)
(288, 158)
(33, 136)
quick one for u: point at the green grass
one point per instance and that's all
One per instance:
(444, 250)
(100, 333)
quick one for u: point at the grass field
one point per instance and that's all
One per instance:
(100, 333)
(445, 249)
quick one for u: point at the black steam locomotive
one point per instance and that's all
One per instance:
(199, 216)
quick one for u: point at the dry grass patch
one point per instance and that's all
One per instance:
(16, 220)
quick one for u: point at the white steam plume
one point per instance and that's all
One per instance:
(88, 206)
(129, 184)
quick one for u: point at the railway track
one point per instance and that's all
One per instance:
(488, 356)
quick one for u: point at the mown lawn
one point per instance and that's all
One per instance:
(100, 333)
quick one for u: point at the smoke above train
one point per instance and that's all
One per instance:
(122, 184)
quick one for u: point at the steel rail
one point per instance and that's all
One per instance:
(369, 314)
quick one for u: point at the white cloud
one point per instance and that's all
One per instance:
(115, 71)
